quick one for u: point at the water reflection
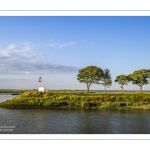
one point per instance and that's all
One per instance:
(63, 121)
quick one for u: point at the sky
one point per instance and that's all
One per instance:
(58, 46)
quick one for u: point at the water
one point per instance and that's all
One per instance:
(65, 121)
(4, 97)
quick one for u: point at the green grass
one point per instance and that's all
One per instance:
(73, 99)
(14, 91)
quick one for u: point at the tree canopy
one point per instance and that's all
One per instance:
(95, 75)
(106, 79)
(123, 80)
(140, 77)
(90, 75)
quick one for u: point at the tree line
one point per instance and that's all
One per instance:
(95, 75)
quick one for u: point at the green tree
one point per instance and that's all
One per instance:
(123, 80)
(140, 77)
(90, 75)
(106, 79)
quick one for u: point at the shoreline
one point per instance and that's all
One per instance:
(73, 108)
(49, 100)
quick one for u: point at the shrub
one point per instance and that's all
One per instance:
(83, 100)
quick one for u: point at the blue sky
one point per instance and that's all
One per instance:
(57, 47)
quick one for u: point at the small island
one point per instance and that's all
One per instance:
(89, 100)
(77, 100)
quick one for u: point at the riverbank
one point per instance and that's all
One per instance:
(78, 100)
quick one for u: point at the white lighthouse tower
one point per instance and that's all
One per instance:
(41, 89)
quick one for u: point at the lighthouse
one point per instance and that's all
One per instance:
(41, 89)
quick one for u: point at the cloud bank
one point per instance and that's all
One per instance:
(25, 60)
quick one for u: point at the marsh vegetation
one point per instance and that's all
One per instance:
(79, 100)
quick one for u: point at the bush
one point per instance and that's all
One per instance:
(83, 100)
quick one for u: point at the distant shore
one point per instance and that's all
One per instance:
(72, 91)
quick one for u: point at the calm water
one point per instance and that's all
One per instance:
(4, 97)
(62, 121)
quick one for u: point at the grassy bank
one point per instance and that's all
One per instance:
(13, 91)
(78, 100)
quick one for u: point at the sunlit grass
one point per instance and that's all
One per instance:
(34, 99)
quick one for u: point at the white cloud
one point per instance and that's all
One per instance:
(67, 44)
(27, 72)
(25, 60)
(52, 44)
(56, 44)
(11, 47)
(39, 44)
(27, 43)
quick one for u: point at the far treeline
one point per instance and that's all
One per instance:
(95, 75)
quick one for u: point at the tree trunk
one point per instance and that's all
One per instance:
(104, 89)
(140, 88)
(122, 89)
(88, 86)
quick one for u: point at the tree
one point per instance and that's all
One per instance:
(140, 77)
(90, 75)
(106, 79)
(123, 80)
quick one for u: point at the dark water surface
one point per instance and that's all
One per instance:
(65, 121)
